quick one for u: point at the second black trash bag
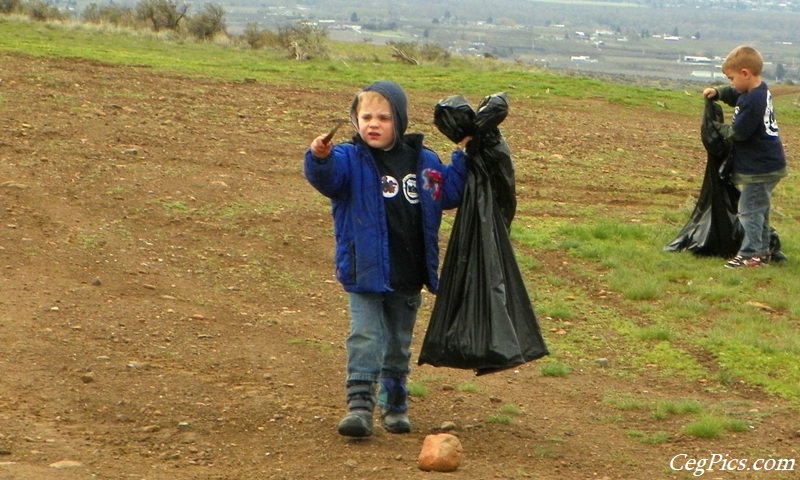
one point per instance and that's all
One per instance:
(712, 229)
(482, 318)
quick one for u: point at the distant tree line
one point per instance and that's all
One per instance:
(300, 40)
(156, 15)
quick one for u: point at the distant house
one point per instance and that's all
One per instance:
(671, 38)
(695, 59)
(707, 74)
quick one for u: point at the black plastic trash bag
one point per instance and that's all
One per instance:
(713, 228)
(454, 117)
(482, 318)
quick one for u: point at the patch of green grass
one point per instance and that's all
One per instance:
(754, 347)
(665, 408)
(636, 287)
(499, 418)
(655, 332)
(672, 360)
(537, 237)
(508, 409)
(683, 308)
(656, 438)
(623, 402)
(555, 308)
(554, 369)
(417, 389)
(544, 451)
(90, 241)
(725, 377)
(176, 207)
(649, 438)
(468, 388)
(713, 426)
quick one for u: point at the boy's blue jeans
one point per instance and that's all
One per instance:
(754, 206)
(381, 325)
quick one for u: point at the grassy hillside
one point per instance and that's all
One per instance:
(669, 308)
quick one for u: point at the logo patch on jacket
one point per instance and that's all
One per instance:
(432, 181)
(410, 188)
(389, 186)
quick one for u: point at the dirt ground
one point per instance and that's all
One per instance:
(168, 311)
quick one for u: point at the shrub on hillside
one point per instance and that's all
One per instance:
(40, 11)
(303, 40)
(208, 23)
(117, 15)
(161, 14)
(257, 38)
(414, 52)
(10, 6)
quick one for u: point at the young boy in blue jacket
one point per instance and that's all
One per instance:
(387, 195)
(759, 161)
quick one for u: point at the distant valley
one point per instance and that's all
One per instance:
(677, 39)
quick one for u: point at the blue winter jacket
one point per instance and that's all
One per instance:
(350, 178)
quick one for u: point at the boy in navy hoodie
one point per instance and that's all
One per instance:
(387, 195)
(757, 153)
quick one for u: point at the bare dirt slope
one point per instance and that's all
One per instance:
(167, 306)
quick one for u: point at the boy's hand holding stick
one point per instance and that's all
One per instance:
(321, 146)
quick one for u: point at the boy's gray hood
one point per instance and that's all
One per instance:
(397, 99)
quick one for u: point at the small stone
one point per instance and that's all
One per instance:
(447, 426)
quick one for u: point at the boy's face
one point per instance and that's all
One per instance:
(742, 80)
(375, 122)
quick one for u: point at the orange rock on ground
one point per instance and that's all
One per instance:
(440, 453)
